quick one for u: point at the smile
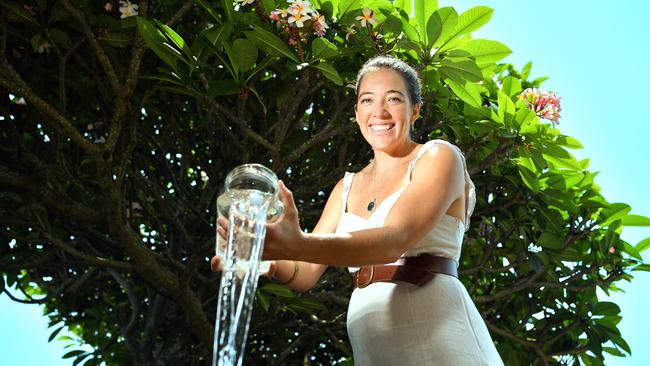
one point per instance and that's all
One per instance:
(382, 127)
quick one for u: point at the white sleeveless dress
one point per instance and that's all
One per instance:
(398, 323)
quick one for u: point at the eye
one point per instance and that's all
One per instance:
(365, 101)
(393, 100)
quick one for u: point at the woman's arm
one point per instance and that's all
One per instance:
(306, 273)
(437, 183)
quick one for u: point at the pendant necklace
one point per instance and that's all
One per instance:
(371, 204)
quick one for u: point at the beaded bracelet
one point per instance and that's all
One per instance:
(296, 269)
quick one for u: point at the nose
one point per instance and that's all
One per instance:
(379, 109)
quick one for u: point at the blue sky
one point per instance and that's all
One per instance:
(594, 54)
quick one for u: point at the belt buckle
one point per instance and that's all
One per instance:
(370, 278)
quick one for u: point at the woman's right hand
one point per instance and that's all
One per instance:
(217, 266)
(215, 261)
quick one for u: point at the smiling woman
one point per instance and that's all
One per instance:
(401, 239)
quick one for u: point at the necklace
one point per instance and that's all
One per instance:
(371, 204)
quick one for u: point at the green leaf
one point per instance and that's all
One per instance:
(643, 245)
(92, 362)
(212, 38)
(216, 16)
(470, 21)
(80, 358)
(404, 5)
(346, 6)
(618, 340)
(635, 220)
(429, 26)
(321, 48)
(423, 10)
(60, 37)
(526, 120)
(467, 92)
(329, 72)
(19, 13)
(53, 335)
(529, 178)
(409, 31)
(270, 43)
(568, 141)
(460, 70)
(433, 30)
(157, 42)
(506, 109)
(550, 240)
(228, 6)
(278, 290)
(36, 41)
(642, 267)
(558, 157)
(627, 248)
(606, 308)
(245, 53)
(615, 211)
(525, 72)
(613, 351)
(176, 39)
(263, 300)
(117, 39)
(485, 51)
(511, 86)
(73, 353)
(268, 5)
(449, 19)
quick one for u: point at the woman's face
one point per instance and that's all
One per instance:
(384, 112)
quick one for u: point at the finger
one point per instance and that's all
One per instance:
(215, 264)
(273, 267)
(287, 198)
(223, 234)
(223, 222)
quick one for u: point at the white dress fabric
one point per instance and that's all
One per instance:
(398, 323)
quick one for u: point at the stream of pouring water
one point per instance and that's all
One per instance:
(247, 215)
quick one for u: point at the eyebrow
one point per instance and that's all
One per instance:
(388, 92)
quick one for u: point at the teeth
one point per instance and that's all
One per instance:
(381, 127)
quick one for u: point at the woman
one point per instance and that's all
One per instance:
(408, 208)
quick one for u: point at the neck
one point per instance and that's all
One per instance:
(387, 160)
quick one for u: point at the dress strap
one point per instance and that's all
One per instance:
(347, 184)
(470, 190)
(426, 147)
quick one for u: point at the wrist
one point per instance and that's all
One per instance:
(297, 250)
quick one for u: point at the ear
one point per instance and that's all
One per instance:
(415, 113)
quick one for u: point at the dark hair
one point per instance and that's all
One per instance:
(407, 73)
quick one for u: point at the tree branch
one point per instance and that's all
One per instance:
(11, 80)
(129, 330)
(91, 260)
(112, 77)
(518, 286)
(239, 122)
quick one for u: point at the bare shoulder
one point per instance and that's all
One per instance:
(440, 156)
(332, 211)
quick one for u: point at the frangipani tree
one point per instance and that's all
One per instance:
(120, 120)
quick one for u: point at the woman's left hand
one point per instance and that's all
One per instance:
(283, 237)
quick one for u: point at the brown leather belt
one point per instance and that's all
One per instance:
(416, 270)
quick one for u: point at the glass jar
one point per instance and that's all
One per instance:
(256, 187)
